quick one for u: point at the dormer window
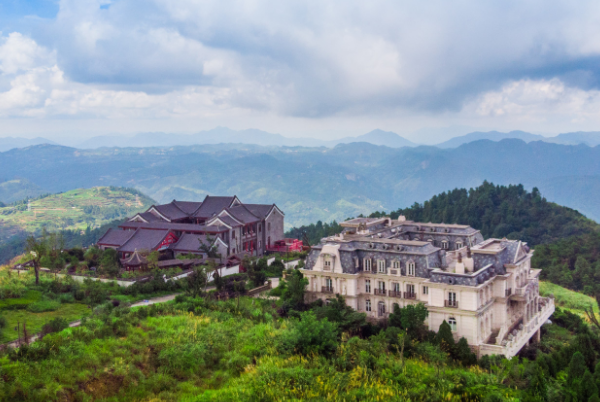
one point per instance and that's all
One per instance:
(381, 268)
(396, 264)
(367, 264)
(445, 244)
(459, 244)
(410, 268)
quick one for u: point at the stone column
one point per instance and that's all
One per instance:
(537, 336)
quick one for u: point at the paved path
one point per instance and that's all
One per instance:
(155, 300)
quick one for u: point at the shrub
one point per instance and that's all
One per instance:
(311, 336)
(43, 305)
(66, 298)
(55, 325)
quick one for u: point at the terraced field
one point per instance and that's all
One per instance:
(74, 210)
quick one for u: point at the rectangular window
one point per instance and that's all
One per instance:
(233, 234)
(452, 297)
(381, 266)
(396, 287)
(367, 264)
(368, 305)
(381, 285)
(368, 286)
(425, 290)
(411, 269)
(329, 283)
(410, 289)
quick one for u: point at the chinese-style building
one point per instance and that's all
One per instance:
(223, 224)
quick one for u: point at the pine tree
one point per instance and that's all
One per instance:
(587, 388)
(576, 370)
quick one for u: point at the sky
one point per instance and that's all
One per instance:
(325, 69)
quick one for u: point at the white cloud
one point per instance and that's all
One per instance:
(491, 63)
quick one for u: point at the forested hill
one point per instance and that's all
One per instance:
(502, 211)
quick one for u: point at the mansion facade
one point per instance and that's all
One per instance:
(232, 228)
(485, 289)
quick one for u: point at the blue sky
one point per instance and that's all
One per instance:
(426, 70)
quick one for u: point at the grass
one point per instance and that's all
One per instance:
(568, 299)
(31, 296)
(75, 209)
(35, 321)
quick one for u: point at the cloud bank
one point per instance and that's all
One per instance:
(497, 64)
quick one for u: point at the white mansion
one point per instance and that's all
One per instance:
(485, 289)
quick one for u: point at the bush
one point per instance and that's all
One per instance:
(66, 298)
(311, 336)
(56, 325)
(43, 305)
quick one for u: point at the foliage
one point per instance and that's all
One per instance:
(43, 305)
(338, 312)
(293, 294)
(315, 231)
(196, 281)
(502, 211)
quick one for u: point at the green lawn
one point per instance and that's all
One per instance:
(35, 321)
(568, 299)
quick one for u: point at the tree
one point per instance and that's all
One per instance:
(209, 247)
(413, 316)
(196, 281)
(445, 339)
(464, 353)
(347, 319)
(576, 370)
(538, 386)
(314, 336)
(294, 292)
(152, 259)
(38, 248)
(587, 388)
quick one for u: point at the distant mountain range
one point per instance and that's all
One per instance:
(224, 135)
(8, 143)
(310, 183)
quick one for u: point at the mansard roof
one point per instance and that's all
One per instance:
(179, 227)
(115, 237)
(211, 206)
(144, 240)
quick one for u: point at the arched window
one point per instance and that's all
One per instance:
(452, 322)
(459, 244)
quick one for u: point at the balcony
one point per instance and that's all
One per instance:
(380, 292)
(326, 289)
(395, 293)
(410, 295)
(394, 271)
(451, 303)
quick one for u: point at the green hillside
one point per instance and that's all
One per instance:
(74, 210)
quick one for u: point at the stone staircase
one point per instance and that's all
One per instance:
(492, 339)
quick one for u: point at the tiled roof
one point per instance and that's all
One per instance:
(171, 211)
(179, 227)
(144, 240)
(115, 237)
(243, 214)
(260, 210)
(135, 260)
(227, 219)
(212, 206)
(188, 242)
(150, 217)
(189, 207)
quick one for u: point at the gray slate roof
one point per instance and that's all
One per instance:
(243, 214)
(189, 243)
(179, 227)
(171, 211)
(144, 240)
(212, 206)
(260, 210)
(189, 207)
(114, 237)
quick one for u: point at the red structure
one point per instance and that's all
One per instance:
(285, 246)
